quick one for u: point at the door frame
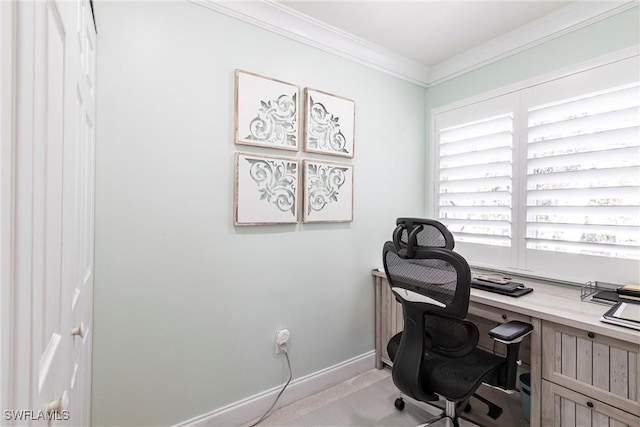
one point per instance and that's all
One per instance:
(7, 201)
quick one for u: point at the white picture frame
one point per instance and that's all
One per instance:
(328, 192)
(329, 123)
(266, 112)
(266, 189)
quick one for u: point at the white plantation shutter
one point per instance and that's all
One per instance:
(546, 179)
(474, 178)
(475, 173)
(583, 174)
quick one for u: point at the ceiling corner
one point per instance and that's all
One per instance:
(285, 21)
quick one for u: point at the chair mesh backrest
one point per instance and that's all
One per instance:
(428, 266)
(429, 236)
(448, 336)
(434, 278)
(428, 233)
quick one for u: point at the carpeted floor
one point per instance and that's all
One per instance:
(367, 400)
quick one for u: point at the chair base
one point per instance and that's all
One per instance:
(494, 410)
(448, 413)
(442, 416)
(452, 410)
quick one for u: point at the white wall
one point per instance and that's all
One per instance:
(186, 304)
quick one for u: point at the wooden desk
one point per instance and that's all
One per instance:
(584, 373)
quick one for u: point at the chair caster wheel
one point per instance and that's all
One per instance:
(399, 403)
(494, 412)
(467, 408)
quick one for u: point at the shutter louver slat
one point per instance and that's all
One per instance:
(477, 171)
(477, 129)
(590, 178)
(496, 198)
(595, 103)
(625, 196)
(496, 213)
(478, 157)
(597, 215)
(623, 252)
(617, 138)
(583, 175)
(488, 142)
(601, 234)
(604, 159)
(586, 125)
(477, 185)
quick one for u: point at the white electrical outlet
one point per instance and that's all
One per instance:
(282, 339)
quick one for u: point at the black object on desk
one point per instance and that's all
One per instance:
(606, 297)
(511, 289)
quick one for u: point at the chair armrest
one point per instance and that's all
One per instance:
(511, 332)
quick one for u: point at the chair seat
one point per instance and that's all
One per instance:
(455, 379)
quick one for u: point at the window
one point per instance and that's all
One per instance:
(475, 180)
(583, 174)
(546, 179)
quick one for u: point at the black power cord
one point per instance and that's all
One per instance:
(266, 414)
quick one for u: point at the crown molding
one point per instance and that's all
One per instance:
(287, 22)
(282, 20)
(542, 30)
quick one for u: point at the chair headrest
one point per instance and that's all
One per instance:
(414, 233)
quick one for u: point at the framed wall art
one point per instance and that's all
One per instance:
(329, 123)
(266, 112)
(328, 192)
(266, 190)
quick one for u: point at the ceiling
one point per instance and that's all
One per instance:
(428, 32)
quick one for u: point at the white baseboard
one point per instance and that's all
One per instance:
(245, 410)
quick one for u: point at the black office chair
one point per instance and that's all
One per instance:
(436, 354)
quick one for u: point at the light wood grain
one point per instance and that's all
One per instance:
(570, 409)
(610, 379)
(601, 358)
(559, 304)
(619, 368)
(634, 368)
(378, 314)
(567, 413)
(536, 372)
(567, 352)
(584, 360)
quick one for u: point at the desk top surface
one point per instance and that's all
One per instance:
(555, 303)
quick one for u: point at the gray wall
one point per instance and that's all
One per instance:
(186, 304)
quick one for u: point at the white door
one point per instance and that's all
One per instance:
(81, 222)
(47, 211)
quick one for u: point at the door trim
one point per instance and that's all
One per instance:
(7, 152)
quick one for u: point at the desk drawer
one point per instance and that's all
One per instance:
(597, 366)
(562, 407)
(497, 315)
